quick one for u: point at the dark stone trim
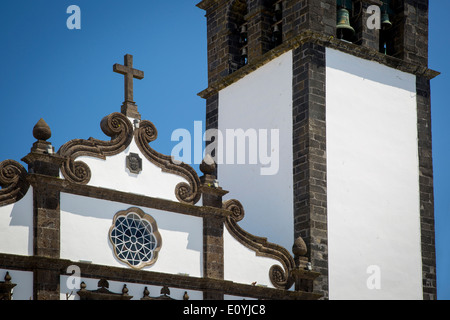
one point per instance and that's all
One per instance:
(46, 239)
(322, 40)
(117, 126)
(103, 293)
(64, 186)
(46, 283)
(46, 221)
(364, 36)
(309, 154)
(212, 123)
(427, 220)
(187, 193)
(212, 112)
(13, 182)
(58, 267)
(213, 250)
(213, 254)
(281, 277)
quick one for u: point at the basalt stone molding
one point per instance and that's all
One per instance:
(408, 66)
(427, 221)
(52, 269)
(117, 126)
(13, 180)
(131, 199)
(103, 293)
(310, 163)
(282, 277)
(165, 295)
(185, 192)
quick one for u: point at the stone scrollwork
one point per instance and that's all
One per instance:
(117, 126)
(236, 208)
(13, 182)
(121, 130)
(185, 192)
(280, 275)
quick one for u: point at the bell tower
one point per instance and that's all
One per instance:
(335, 94)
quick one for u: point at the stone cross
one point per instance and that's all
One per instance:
(129, 107)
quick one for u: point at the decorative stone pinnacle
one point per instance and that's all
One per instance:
(41, 130)
(7, 277)
(208, 166)
(299, 248)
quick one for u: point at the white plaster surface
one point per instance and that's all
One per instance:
(242, 265)
(85, 224)
(16, 226)
(373, 181)
(262, 100)
(112, 173)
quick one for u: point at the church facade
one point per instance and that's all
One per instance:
(348, 214)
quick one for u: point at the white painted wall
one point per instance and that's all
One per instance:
(242, 265)
(112, 173)
(24, 283)
(136, 290)
(85, 224)
(373, 181)
(16, 226)
(262, 100)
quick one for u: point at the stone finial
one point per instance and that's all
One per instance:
(103, 283)
(208, 166)
(165, 291)
(125, 290)
(7, 278)
(41, 130)
(299, 248)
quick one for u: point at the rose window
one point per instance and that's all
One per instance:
(135, 238)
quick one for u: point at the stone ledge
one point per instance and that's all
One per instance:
(31, 263)
(326, 41)
(125, 197)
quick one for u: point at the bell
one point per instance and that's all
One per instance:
(278, 8)
(244, 52)
(244, 56)
(276, 29)
(385, 22)
(244, 29)
(344, 29)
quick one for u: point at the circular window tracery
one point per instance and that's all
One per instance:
(135, 238)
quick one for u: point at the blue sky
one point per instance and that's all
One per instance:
(65, 76)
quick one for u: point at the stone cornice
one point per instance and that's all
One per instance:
(30, 263)
(131, 199)
(206, 4)
(330, 42)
